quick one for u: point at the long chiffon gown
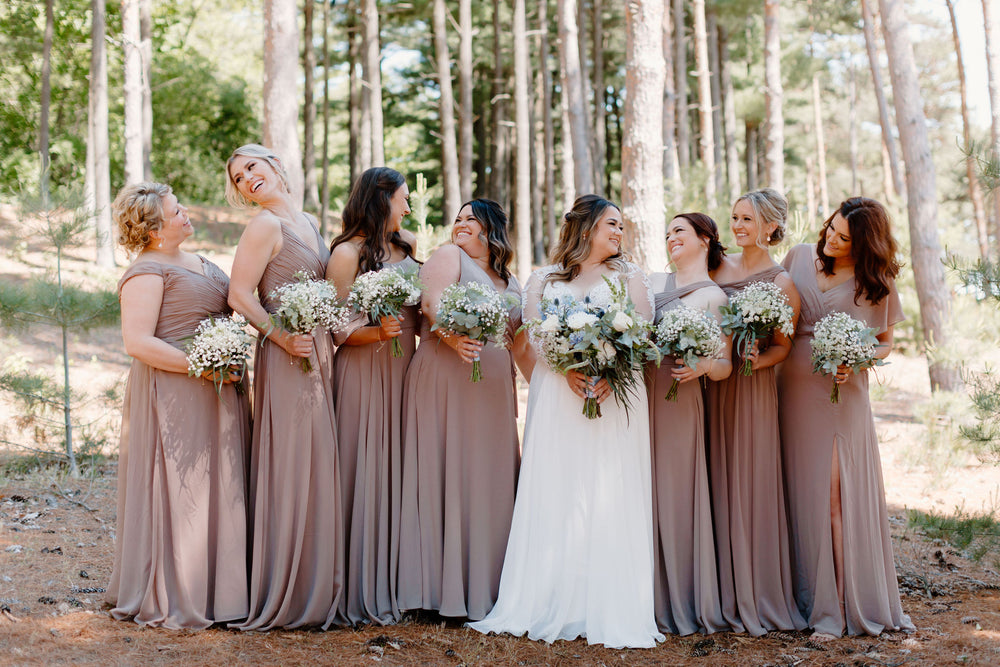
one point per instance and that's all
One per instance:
(368, 386)
(748, 499)
(811, 429)
(180, 552)
(686, 580)
(460, 460)
(579, 559)
(297, 560)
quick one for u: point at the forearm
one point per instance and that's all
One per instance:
(158, 354)
(366, 335)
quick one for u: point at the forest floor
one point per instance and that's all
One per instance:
(57, 537)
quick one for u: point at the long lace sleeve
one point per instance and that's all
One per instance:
(640, 290)
(531, 295)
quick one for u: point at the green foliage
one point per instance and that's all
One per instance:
(975, 534)
(984, 434)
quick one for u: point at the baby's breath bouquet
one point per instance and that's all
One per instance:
(219, 345)
(688, 333)
(383, 293)
(841, 340)
(304, 305)
(474, 310)
(755, 312)
(609, 342)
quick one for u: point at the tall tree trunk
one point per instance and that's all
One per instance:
(883, 107)
(975, 192)
(43, 120)
(824, 192)
(569, 191)
(712, 28)
(751, 156)
(680, 81)
(310, 188)
(599, 138)
(522, 207)
(991, 21)
(549, 133)
(852, 124)
(642, 149)
(921, 189)
(359, 118)
(537, 170)
(465, 114)
(569, 55)
(501, 132)
(132, 56)
(100, 163)
(146, 49)
(774, 120)
(324, 186)
(372, 59)
(729, 114)
(707, 136)
(671, 163)
(446, 110)
(281, 96)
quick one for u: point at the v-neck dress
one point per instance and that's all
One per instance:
(297, 558)
(180, 552)
(460, 461)
(811, 427)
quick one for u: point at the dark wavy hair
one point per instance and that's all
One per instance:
(706, 228)
(366, 213)
(574, 238)
(873, 247)
(494, 221)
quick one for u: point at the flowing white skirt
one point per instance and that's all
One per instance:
(579, 559)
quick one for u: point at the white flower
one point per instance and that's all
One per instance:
(622, 322)
(578, 321)
(607, 349)
(550, 324)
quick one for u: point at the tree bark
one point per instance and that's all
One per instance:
(975, 192)
(569, 191)
(446, 111)
(465, 114)
(132, 57)
(824, 192)
(501, 133)
(751, 156)
(642, 147)
(729, 115)
(852, 124)
(683, 122)
(43, 120)
(281, 107)
(100, 163)
(774, 120)
(706, 133)
(359, 118)
(522, 121)
(599, 138)
(991, 21)
(372, 59)
(883, 107)
(714, 79)
(324, 186)
(146, 49)
(569, 55)
(310, 188)
(921, 187)
(671, 163)
(549, 133)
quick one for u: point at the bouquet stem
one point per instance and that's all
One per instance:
(397, 348)
(835, 393)
(672, 394)
(591, 408)
(477, 372)
(305, 364)
(746, 367)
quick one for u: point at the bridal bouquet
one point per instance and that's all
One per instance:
(476, 311)
(383, 293)
(219, 345)
(841, 340)
(689, 334)
(755, 312)
(600, 341)
(305, 304)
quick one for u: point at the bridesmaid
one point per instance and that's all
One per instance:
(297, 562)
(460, 448)
(844, 569)
(181, 548)
(748, 503)
(686, 583)
(368, 383)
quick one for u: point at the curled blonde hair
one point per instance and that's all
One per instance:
(233, 195)
(138, 211)
(769, 206)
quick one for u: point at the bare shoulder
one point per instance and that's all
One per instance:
(449, 253)
(263, 226)
(408, 236)
(714, 296)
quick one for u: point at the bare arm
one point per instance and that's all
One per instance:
(442, 269)
(341, 270)
(141, 298)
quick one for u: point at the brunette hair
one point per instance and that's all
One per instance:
(769, 206)
(873, 247)
(366, 213)
(494, 221)
(137, 211)
(574, 238)
(233, 195)
(706, 228)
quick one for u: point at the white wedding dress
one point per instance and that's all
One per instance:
(579, 559)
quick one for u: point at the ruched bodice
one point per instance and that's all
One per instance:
(766, 276)
(293, 257)
(670, 297)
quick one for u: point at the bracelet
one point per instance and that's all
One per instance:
(378, 332)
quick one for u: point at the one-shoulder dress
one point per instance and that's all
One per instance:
(460, 460)
(180, 550)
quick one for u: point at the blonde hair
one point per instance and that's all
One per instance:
(138, 211)
(769, 206)
(233, 195)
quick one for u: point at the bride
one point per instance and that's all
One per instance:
(579, 558)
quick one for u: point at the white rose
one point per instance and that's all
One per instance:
(550, 324)
(622, 321)
(580, 320)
